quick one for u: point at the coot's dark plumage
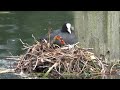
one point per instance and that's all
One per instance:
(65, 35)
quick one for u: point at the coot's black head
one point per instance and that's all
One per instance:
(66, 28)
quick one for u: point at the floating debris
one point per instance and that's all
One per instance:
(5, 12)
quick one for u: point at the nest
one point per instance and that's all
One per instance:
(53, 61)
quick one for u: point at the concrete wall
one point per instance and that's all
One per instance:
(99, 30)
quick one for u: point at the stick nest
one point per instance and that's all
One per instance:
(59, 62)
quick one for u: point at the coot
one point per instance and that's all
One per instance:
(62, 36)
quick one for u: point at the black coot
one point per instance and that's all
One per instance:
(62, 36)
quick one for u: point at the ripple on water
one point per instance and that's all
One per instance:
(9, 76)
(6, 64)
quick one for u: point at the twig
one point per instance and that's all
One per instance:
(58, 72)
(35, 39)
(24, 43)
(102, 65)
(6, 71)
(112, 67)
(83, 68)
(46, 74)
(35, 64)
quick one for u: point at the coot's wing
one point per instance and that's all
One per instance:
(52, 35)
(69, 38)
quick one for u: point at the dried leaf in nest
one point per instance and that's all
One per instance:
(89, 56)
(92, 57)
